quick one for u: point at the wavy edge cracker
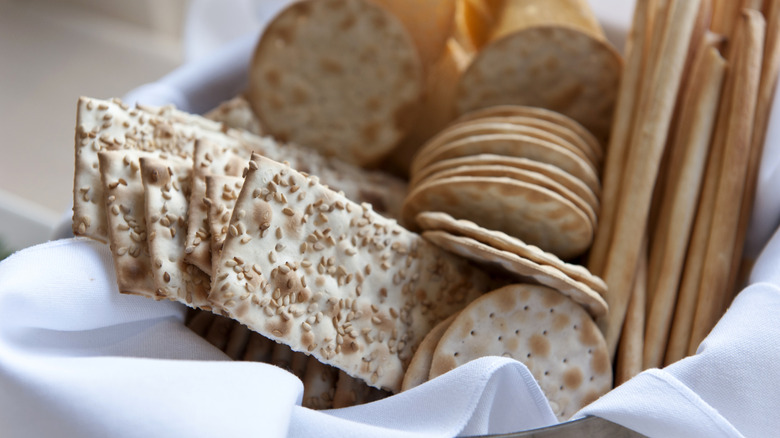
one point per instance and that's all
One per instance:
(166, 186)
(531, 213)
(438, 221)
(320, 78)
(524, 269)
(352, 392)
(333, 278)
(545, 330)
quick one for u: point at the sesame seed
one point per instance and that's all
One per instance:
(288, 211)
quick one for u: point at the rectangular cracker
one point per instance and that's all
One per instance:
(385, 193)
(104, 126)
(306, 266)
(120, 173)
(221, 195)
(166, 186)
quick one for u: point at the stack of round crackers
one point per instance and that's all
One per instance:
(528, 172)
(536, 325)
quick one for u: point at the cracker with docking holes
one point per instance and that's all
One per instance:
(551, 334)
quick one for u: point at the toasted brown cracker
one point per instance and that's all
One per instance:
(237, 342)
(526, 270)
(420, 366)
(237, 114)
(305, 266)
(259, 348)
(219, 332)
(200, 321)
(352, 392)
(321, 78)
(557, 68)
(437, 221)
(319, 385)
(166, 186)
(531, 213)
(549, 333)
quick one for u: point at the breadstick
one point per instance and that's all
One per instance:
(766, 91)
(636, 46)
(629, 356)
(644, 157)
(679, 200)
(713, 289)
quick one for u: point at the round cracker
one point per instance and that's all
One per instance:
(481, 127)
(341, 76)
(534, 214)
(539, 114)
(554, 172)
(526, 270)
(553, 67)
(592, 151)
(437, 221)
(520, 175)
(513, 145)
(543, 329)
(420, 366)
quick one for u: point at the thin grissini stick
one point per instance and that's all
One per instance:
(769, 76)
(678, 210)
(713, 289)
(629, 356)
(687, 295)
(724, 15)
(621, 132)
(649, 138)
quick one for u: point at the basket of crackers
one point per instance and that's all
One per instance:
(405, 186)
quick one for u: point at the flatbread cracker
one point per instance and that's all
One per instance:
(166, 187)
(221, 195)
(120, 172)
(549, 333)
(333, 278)
(531, 213)
(526, 270)
(105, 126)
(437, 221)
(420, 366)
(321, 77)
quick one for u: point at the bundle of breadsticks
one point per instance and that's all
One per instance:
(680, 173)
